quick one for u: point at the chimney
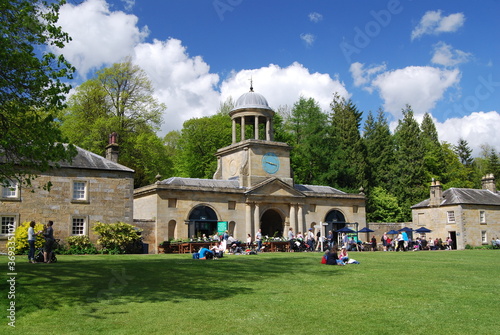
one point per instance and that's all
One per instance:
(436, 193)
(112, 148)
(488, 183)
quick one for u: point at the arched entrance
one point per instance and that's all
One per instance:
(202, 220)
(335, 220)
(271, 223)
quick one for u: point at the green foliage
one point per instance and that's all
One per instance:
(31, 89)
(21, 237)
(383, 206)
(118, 237)
(81, 245)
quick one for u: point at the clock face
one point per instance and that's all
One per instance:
(270, 163)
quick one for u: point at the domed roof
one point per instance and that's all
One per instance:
(251, 100)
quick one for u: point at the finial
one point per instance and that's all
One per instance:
(251, 84)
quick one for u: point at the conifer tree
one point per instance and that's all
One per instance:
(433, 157)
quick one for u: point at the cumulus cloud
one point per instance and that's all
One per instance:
(433, 23)
(315, 17)
(284, 86)
(99, 36)
(363, 76)
(477, 128)
(308, 39)
(445, 55)
(419, 86)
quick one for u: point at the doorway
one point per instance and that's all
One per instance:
(202, 220)
(453, 236)
(271, 223)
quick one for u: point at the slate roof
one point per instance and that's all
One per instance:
(465, 196)
(88, 160)
(317, 189)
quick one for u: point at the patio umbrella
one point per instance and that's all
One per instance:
(423, 230)
(406, 229)
(345, 230)
(392, 232)
(365, 230)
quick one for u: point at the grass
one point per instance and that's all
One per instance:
(448, 292)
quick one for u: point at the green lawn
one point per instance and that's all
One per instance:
(437, 292)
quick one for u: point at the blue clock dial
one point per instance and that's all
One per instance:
(270, 163)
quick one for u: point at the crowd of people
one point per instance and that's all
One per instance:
(403, 243)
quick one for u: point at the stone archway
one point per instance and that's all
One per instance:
(271, 223)
(202, 220)
(335, 220)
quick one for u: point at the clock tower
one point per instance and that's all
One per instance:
(256, 158)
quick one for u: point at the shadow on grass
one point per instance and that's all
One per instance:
(87, 281)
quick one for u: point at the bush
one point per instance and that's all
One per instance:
(21, 238)
(118, 237)
(81, 245)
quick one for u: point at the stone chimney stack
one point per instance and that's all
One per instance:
(436, 193)
(112, 149)
(488, 183)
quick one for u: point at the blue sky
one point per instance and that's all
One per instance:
(440, 57)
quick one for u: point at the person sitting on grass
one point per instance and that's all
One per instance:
(344, 256)
(206, 253)
(332, 258)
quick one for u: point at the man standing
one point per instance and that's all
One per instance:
(291, 237)
(258, 238)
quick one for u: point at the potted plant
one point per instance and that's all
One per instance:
(163, 247)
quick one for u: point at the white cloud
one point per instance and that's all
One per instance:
(362, 76)
(308, 38)
(100, 37)
(433, 23)
(128, 4)
(419, 86)
(284, 86)
(315, 17)
(445, 55)
(477, 128)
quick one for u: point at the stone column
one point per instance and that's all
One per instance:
(293, 219)
(234, 130)
(256, 127)
(242, 128)
(256, 220)
(300, 218)
(248, 220)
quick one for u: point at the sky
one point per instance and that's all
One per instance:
(439, 57)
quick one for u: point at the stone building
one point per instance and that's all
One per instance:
(89, 189)
(252, 189)
(468, 216)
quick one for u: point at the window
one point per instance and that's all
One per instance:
(11, 191)
(78, 226)
(231, 205)
(482, 217)
(8, 225)
(484, 238)
(80, 191)
(451, 217)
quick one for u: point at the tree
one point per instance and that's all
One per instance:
(31, 89)
(120, 99)
(348, 150)
(308, 128)
(433, 153)
(384, 206)
(410, 183)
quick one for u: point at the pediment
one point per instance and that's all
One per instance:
(274, 187)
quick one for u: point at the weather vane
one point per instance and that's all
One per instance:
(251, 84)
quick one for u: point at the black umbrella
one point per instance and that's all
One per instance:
(345, 230)
(423, 230)
(392, 232)
(365, 230)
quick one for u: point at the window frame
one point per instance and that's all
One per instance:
(85, 198)
(450, 215)
(14, 184)
(84, 228)
(15, 218)
(482, 217)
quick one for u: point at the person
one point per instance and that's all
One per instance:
(384, 241)
(401, 242)
(374, 243)
(330, 240)
(344, 256)
(310, 240)
(31, 241)
(258, 238)
(431, 244)
(204, 252)
(249, 241)
(331, 257)
(48, 234)
(345, 240)
(320, 242)
(217, 250)
(449, 243)
(406, 240)
(291, 236)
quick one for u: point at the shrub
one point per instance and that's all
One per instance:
(81, 245)
(21, 237)
(118, 237)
